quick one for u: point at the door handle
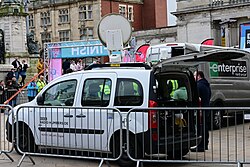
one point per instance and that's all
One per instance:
(80, 116)
(68, 116)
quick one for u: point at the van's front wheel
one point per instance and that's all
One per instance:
(25, 141)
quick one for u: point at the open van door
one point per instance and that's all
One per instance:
(225, 68)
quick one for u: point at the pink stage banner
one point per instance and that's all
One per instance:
(55, 68)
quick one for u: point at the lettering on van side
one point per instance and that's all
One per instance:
(53, 122)
(228, 69)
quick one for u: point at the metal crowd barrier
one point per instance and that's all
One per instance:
(169, 134)
(90, 133)
(6, 147)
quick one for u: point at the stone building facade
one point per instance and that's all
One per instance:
(217, 19)
(69, 20)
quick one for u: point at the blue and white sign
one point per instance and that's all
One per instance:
(245, 36)
(77, 49)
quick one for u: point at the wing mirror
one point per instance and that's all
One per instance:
(40, 100)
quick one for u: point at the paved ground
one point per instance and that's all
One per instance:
(70, 162)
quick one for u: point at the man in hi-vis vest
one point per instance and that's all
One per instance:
(173, 85)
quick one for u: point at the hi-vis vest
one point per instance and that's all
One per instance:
(174, 87)
(106, 90)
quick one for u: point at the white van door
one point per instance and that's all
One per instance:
(55, 117)
(94, 124)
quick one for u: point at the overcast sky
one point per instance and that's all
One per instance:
(171, 7)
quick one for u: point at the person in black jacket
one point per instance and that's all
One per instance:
(23, 72)
(65, 66)
(2, 92)
(17, 65)
(12, 88)
(10, 75)
(204, 92)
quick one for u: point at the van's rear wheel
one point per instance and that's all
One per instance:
(134, 149)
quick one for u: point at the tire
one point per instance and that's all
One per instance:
(124, 160)
(217, 119)
(25, 140)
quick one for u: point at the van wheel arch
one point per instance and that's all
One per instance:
(124, 160)
(25, 139)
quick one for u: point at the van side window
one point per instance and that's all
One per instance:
(96, 92)
(129, 92)
(61, 94)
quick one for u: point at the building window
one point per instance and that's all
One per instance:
(86, 12)
(31, 20)
(127, 12)
(86, 33)
(63, 16)
(64, 35)
(130, 13)
(45, 37)
(45, 18)
(122, 10)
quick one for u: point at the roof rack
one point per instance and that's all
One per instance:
(115, 65)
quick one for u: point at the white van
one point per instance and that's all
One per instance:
(126, 86)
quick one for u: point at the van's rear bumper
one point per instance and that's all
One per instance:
(169, 144)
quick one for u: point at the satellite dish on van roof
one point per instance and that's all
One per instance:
(116, 23)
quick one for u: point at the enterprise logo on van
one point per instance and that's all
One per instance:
(228, 69)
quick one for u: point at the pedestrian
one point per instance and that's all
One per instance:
(204, 92)
(65, 65)
(40, 83)
(72, 65)
(2, 92)
(10, 74)
(12, 88)
(79, 65)
(23, 72)
(32, 90)
(17, 65)
(40, 65)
